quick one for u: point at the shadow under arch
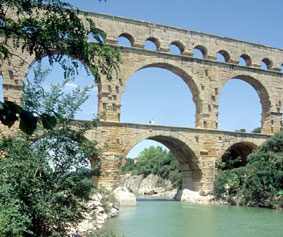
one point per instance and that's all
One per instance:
(185, 155)
(193, 87)
(262, 94)
(238, 149)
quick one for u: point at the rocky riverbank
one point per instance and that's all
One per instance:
(151, 185)
(155, 186)
(105, 204)
(102, 206)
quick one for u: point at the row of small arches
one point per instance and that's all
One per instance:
(176, 47)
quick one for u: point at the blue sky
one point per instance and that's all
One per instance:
(258, 21)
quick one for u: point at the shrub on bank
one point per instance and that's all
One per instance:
(260, 182)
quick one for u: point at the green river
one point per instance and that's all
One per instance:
(159, 218)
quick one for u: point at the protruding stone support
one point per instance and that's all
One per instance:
(190, 177)
(187, 179)
(276, 122)
(211, 57)
(111, 41)
(108, 103)
(256, 65)
(164, 48)
(208, 174)
(199, 179)
(109, 169)
(111, 113)
(136, 45)
(188, 52)
(13, 93)
(271, 122)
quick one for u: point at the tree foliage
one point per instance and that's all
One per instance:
(158, 161)
(43, 178)
(42, 27)
(256, 130)
(260, 182)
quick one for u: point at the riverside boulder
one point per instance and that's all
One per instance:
(124, 197)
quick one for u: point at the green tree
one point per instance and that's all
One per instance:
(23, 26)
(256, 130)
(43, 180)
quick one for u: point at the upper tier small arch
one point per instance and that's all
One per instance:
(266, 63)
(202, 49)
(179, 45)
(247, 61)
(129, 37)
(155, 41)
(225, 55)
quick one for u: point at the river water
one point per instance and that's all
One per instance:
(159, 218)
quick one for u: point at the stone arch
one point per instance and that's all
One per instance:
(179, 45)
(262, 93)
(202, 49)
(225, 55)
(189, 81)
(32, 60)
(155, 41)
(247, 59)
(184, 153)
(128, 37)
(238, 149)
(268, 63)
(239, 142)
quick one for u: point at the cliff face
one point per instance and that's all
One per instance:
(151, 185)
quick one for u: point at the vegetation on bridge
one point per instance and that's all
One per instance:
(260, 182)
(155, 160)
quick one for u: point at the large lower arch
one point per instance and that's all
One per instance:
(189, 81)
(188, 161)
(263, 96)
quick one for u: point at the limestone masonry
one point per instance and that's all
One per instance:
(198, 148)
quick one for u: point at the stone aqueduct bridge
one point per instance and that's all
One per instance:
(196, 148)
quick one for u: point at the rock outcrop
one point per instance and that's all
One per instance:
(131, 182)
(166, 194)
(151, 185)
(187, 195)
(124, 197)
(101, 207)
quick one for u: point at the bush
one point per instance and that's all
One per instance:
(43, 180)
(260, 182)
